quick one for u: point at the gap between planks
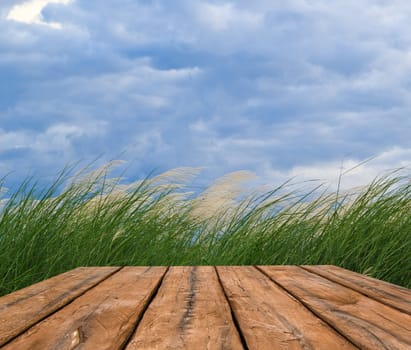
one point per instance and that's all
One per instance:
(264, 271)
(190, 311)
(146, 306)
(233, 315)
(102, 318)
(383, 292)
(142, 337)
(368, 323)
(271, 318)
(14, 325)
(315, 314)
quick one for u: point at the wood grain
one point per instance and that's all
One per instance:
(102, 318)
(189, 312)
(366, 322)
(237, 307)
(22, 309)
(384, 292)
(270, 318)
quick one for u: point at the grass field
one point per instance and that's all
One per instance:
(90, 219)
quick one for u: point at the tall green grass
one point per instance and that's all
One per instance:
(90, 219)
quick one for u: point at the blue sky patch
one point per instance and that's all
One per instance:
(300, 88)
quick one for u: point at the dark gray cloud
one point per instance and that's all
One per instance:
(227, 85)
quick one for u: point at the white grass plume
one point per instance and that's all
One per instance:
(221, 196)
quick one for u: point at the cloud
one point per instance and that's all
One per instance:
(46, 151)
(276, 89)
(30, 12)
(347, 173)
(222, 17)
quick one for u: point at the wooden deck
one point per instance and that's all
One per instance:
(205, 307)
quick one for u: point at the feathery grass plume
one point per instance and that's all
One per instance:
(221, 198)
(177, 176)
(3, 192)
(174, 182)
(95, 219)
(95, 179)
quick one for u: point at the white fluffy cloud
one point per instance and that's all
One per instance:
(220, 17)
(31, 12)
(349, 172)
(278, 89)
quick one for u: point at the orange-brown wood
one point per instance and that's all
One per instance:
(22, 309)
(270, 318)
(387, 293)
(102, 318)
(263, 307)
(367, 323)
(189, 312)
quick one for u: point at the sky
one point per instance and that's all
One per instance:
(302, 88)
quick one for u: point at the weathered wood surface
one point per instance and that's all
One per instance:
(384, 292)
(22, 309)
(270, 318)
(366, 322)
(102, 318)
(190, 311)
(205, 307)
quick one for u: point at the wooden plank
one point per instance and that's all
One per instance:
(366, 322)
(270, 318)
(384, 292)
(102, 318)
(189, 312)
(21, 309)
